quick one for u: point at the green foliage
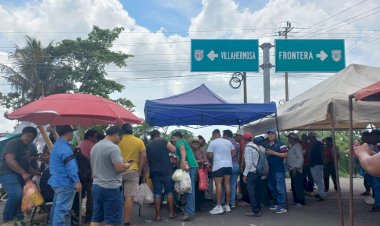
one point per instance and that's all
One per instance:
(69, 66)
(185, 133)
(126, 103)
(140, 129)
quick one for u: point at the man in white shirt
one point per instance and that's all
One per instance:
(251, 178)
(221, 151)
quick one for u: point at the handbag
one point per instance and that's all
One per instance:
(203, 178)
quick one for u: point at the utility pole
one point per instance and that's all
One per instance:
(236, 80)
(288, 28)
(266, 66)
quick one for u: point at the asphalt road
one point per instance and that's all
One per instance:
(316, 213)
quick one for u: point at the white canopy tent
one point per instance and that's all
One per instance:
(310, 109)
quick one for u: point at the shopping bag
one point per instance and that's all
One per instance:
(148, 194)
(177, 175)
(203, 179)
(31, 197)
(183, 186)
(143, 194)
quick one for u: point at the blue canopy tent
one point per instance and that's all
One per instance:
(201, 106)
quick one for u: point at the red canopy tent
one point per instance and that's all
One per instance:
(369, 93)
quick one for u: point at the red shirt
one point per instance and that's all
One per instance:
(306, 153)
(86, 147)
(327, 154)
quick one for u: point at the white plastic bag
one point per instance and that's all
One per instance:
(143, 194)
(177, 175)
(183, 186)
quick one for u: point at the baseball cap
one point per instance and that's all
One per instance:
(259, 139)
(63, 129)
(248, 135)
(194, 139)
(240, 132)
(272, 131)
(293, 135)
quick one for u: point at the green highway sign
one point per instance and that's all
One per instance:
(309, 55)
(224, 55)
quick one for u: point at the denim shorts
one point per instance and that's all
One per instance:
(107, 205)
(162, 181)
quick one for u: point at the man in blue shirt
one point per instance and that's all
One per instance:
(276, 153)
(64, 177)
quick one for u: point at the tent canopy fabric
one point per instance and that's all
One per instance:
(370, 93)
(309, 110)
(201, 106)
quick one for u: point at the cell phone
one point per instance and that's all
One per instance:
(130, 161)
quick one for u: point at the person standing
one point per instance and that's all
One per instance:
(243, 186)
(89, 140)
(228, 135)
(64, 177)
(308, 183)
(221, 152)
(295, 164)
(276, 153)
(201, 158)
(108, 167)
(187, 162)
(132, 150)
(316, 165)
(251, 178)
(160, 171)
(15, 170)
(328, 164)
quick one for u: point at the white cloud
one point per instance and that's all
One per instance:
(159, 55)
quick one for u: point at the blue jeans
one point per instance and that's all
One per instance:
(376, 190)
(62, 204)
(277, 186)
(317, 173)
(108, 205)
(13, 185)
(233, 185)
(189, 208)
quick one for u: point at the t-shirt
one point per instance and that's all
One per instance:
(316, 154)
(21, 152)
(190, 158)
(221, 149)
(86, 146)
(158, 158)
(131, 147)
(276, 164)
(104, 155)
(236, 158)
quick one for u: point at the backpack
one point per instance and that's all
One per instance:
(262, 167)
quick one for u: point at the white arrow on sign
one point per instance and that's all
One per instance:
(212, 55)
(322, 55)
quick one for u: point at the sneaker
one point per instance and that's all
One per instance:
(232, 206)
(280, 210)
(185, 218)
(321, 199)
(299, 205)
(227, 209)
(273, 207)
(217, 210)
(252, 214)
(365, 194)
(369, 200)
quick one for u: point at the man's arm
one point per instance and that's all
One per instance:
(121, 167)
(142, 158)
(10, 159)
(278, 154)
(370, 163)
(170, 147)
(183, 156)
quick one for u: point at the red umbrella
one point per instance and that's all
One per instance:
(370, 93)
(74, 109)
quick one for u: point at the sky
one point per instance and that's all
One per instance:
(158, 34)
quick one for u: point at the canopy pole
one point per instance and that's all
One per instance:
(351, 196)
(277, 126)
(332, 120)
(47, 140)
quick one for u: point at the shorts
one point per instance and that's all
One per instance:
(107, 205)
(130, 182)
(162, 181)
(222, 172)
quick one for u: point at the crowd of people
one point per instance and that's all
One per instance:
(242, 169)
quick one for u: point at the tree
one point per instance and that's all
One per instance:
(185, 133)
(32, 74)
(85, 61)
